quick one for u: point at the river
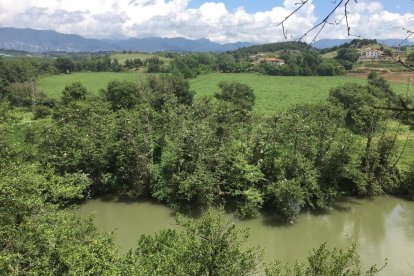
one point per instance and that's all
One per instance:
(383, 227)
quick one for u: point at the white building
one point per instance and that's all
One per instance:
(372, 54)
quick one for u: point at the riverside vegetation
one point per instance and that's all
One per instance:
(154, 140)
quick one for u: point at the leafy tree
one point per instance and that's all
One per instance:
(237, 93)
(322, 261)
(347, 57)
(348, 54)
(167, 89)
(64, 64)
(74, 92)
(121, 94)
(210, 245)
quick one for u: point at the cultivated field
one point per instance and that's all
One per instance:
(401, 77)
(275, 93)
(272, 93)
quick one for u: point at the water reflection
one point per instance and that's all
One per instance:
(383, 228)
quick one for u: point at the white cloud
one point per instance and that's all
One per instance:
(368, 19)
(171, 18)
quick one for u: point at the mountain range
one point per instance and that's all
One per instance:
(41, 41)
(38, 41)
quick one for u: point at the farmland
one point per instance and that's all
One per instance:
(272, 93)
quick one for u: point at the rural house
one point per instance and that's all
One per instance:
(372, 54)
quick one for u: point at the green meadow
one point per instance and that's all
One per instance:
(272, 93)
(275, 93)
(54, 85)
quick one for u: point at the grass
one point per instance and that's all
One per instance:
(380, 65)
(54, 85)
(272, 93)
(276, 93)
(143, 56)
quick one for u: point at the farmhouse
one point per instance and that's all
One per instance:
(274, 60)
(372, 54)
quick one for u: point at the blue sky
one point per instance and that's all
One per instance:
(322, 6)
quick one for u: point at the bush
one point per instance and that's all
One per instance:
(41, 112)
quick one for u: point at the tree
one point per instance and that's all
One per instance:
(347, 57)
(121, 94)
(64, 65)
(410, 57)
(210, 245)
(348, 54)
(241, 95)
(74, 92)
(323, 261)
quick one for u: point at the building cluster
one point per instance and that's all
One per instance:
(375, 54)
(264, 58)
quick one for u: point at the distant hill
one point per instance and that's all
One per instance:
(37, 41)
(272, 47)
(153, 44)
(30, 40)
(329, 43)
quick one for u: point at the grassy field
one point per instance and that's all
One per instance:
(143, 56)
(54, 85)
(275, 93)
(272, 93)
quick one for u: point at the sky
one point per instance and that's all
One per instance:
(221, 21)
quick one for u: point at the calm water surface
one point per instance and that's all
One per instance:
(383, 228)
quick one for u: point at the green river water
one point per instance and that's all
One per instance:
(383, 228)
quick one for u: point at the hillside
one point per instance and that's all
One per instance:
(45, 41)
(272, 47)
(36, 41)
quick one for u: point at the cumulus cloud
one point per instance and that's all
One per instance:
(368, 19)
(213, 20)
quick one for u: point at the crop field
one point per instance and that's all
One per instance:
(54, 85)
(143, 56)
(272, 93)
(275, 93)
(379, 65)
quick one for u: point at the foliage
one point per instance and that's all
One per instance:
(323, 261)
(74, 92)
(121, 94)
(239, 94)
(41, 112)
(210, 245)
(348, 54)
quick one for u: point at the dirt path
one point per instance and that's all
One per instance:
(401, 77)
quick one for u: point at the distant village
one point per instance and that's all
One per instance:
(371, 53)
(265, 58)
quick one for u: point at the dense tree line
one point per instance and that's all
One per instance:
(245, 52)
(153, 140)
(354, 43)
(307, 63)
